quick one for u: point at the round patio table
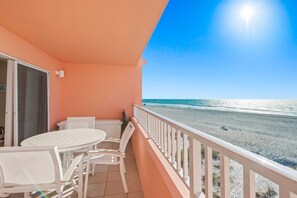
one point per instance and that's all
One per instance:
(67, 141)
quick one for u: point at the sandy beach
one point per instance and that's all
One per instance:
(271, 136)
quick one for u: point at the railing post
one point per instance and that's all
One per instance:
(154, 129)
(285, 193)
(225, 177)
(161, 135)
(169, 142)
(249, 183)
(178, 150)
(186, 162)
(165, 140)
(195, 168)
(208, 172)
(147, 124)
(156, 132)
(173, 152)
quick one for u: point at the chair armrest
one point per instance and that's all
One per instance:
(72, 168)
(97, 152)
(113, 140)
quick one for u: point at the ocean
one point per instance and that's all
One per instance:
(273, 107)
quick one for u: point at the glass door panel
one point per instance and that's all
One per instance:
(31, 103)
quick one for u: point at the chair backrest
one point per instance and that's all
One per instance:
(80, 122)
(128, 132)
(29, 166)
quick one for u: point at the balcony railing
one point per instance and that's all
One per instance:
(181, 146)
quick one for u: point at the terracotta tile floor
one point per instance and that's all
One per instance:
(106, 183)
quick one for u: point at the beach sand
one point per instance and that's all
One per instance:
(271, 136)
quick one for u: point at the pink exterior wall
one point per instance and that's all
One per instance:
(18, 48)
(100, 90)
(87, 89)
(154, 178)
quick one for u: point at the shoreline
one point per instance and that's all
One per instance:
(225, 111)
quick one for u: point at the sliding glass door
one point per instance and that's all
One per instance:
(27, 96)
(31, 103)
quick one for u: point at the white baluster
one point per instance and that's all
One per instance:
(208, 172)
(186, 158)
(158, 132)
(173, 157)
(162, 135)
(225, 177)
(179, 144)
(154, 129)
(285, 193)
(249, 183)
(195, 168)
(169, 142)
(165, 139)
(146, 122)
(149, 125)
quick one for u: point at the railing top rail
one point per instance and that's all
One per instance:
(282, 175)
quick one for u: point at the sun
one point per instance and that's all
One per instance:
(247, 13)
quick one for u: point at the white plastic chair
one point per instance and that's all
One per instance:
(111, 157)
(29, 169)
(80, 122)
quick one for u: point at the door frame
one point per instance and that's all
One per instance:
(13, 120)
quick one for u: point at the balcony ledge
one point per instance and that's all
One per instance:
(173, 182)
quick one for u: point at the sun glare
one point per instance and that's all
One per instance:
(247, 13)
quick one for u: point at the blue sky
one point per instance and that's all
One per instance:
(210, 49)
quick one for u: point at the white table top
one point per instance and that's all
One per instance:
(67, 140)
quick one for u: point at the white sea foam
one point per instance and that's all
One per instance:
(273, 107)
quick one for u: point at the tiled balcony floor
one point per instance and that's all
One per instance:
(106, 183)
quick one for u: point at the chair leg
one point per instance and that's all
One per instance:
(60, 191)
(122, 171)
(124, 166)
(26, 194)
(80, 180)
(60, 194)
(93, 169)
(87, 179)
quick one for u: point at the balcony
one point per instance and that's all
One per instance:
(103, 76)
(189, 156)
(174, 160)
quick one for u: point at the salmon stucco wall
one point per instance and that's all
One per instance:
(102, 91)
(154, 178)
(16, 47)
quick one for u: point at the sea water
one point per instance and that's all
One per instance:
(274, 107)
